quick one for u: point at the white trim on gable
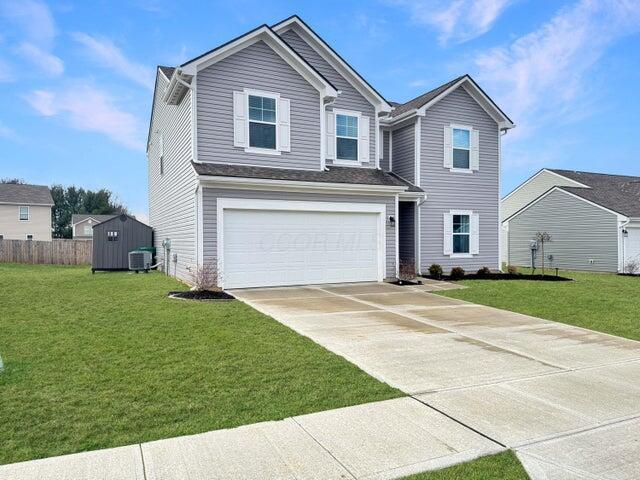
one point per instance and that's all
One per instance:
(528, 181)
(265, 34)
(619, 216)
(332, 58)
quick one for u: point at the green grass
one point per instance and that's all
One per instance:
(605, 302)
(95, 361)
(503, 466)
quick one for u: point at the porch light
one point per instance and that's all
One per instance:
(392, 221)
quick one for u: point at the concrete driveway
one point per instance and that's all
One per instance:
(565, 398)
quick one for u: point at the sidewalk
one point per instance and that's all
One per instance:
(381, 440)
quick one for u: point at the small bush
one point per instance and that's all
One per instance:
(407, 270)
(205, 277)
(484, 271)
(512, 270)
(457, 273)
(435, 270)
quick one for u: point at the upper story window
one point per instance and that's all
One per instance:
(24, 213)
(346, 137)
(262, 122)
(461, 148)
(88, 230)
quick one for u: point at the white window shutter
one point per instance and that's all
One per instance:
(474, 155)
(448, 147)
(284, 125)
(448, 234)
(363, 139)
(331, 136)
(240, 119)
(474, 240)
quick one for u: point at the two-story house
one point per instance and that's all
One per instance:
(25, 212)
(273, 160)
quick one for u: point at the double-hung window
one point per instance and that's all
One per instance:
(461, 233)
(24, 213)
(346, 137)
(262, 122)
(88, 230)
(461, 148)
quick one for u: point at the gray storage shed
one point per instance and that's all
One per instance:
(113, 240)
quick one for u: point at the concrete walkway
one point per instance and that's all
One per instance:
(565, 398)
(381, 440)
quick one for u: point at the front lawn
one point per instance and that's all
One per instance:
(503, 466)
(96, 361)
(605, 302)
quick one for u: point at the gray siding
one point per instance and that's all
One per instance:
(532, 190)
(349, 98)
(447, 190)
(406, 231)
(384, 162)
(256, 67)
(210, 196)
(115, 255)
(404, 152)
(172, 201)
(579, 232)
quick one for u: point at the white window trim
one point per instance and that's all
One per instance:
(350, 113)
(28, 213)
(224, 204)
(470, 130)
(461, 255)
(261, 151)
(84, 230)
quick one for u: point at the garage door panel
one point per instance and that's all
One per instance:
(269, 248)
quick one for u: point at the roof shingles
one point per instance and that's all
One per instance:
(25, 194)
(620, 193)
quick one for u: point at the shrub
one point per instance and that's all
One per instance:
(205, 277)
(435, 271)
(457, 273)
(512, 270)
(484, 271)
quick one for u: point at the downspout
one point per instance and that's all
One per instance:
(622, 229)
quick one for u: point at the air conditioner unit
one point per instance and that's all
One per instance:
(140, 260)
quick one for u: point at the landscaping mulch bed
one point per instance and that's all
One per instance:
(201, 295)
(507, 276)
(406, 283)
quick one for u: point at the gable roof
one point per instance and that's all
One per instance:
(282, 48)
(25, 194)
(620, 193)
(81, 217)
(333, 58)
(122, 217)
(421, 103)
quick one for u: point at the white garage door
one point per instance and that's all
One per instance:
(283, 247)
(632, 245)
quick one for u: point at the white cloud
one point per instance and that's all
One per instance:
(32, 16)
(8, 133)
(45, 61)
(456, 21)
(87, 108)
(544, 75)
(104, 52)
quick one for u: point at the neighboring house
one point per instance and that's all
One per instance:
(82, 224)
(25, 212)
(272, 159)
(593, 219)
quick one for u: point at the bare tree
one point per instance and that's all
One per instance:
(407, 270)
(542, 238)
(632, 266)
(206, 277)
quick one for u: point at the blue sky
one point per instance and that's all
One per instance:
(76, 77)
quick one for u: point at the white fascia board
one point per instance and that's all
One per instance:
(620, 217)
(485, 102)
(287, 185)
(27, 204)
(277, 45)
(322, 49)
(522, 185)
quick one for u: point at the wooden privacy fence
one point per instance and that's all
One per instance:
(59, 251)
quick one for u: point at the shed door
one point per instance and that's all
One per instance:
(284, 247)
